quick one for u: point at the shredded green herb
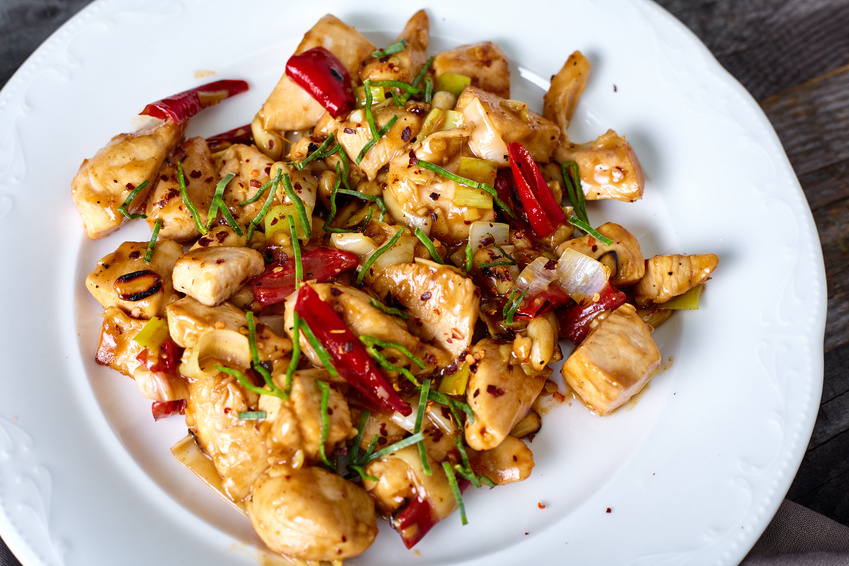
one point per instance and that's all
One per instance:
(418, 425)
(468, 183)
(452, 405)
(218, 199)
(397, 84)
(264, 210)
(376, 138)
(469, 257)
(586, 228)
(193, 211)
(361, 428)
(575, 192)
(512, 306)
(296, 249)
(149, 253)
(388, 310)
(257, 363)
(325, 421)
(320, 350)
(129, 200)
(333, 192)
(370, 342)
(396, 47)
(371, 198)
(258, 194)
(418, 79)
(306, 224)
(296, 355)
(319, 153)
(428, 95)
(428, 243)
(455, 490)
(245, 383)
(251, 415)
(409, 441)
(379, 252)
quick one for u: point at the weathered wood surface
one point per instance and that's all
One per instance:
(793, 56)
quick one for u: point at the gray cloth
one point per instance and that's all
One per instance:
(796, 537)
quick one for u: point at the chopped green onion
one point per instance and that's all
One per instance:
(453, 83)
(396, 47)
(193, 211)
(418, 426)
(428, 243)
(512, 306)
(333, 192)
(500, 249)
(302, 210)
(371, 198)
(467, 182)
(361, 428)
(129, 200)
(370, 449)
(469, 257)
(264, 210)
(325, 421)
(320, 350)
(423, 71)
(376, 138)
(428, 96)
(152, 334)
(258, 194)
(409, 441)
(257, 364)
(574, 191)
(584, 227)
(319, 153)
(379, 252)
(388, 310)
(396, 84)
(225, 212)
(149, 253)
(251, 415)
(496, 264)
(218, 199)
(452, 405)
(362, 472)
(247, 384)
(296, 248)
(372, 127)
(465, 468)
(296, 355)
(370, 342)
(455, 490)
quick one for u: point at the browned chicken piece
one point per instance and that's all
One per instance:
(509, 462)
(381, 425)
(212, 275)
(483, 62)
(295, 426)
(354, 134)
(252, 169)
(358, 314)
(608, 167)
(311, 514)
(119, 351)
(401, 478)
(188, 320)
(668, 276)
(289, 107)
(404, 65)
(499, 392)
(442, 304)
(614, 362)
(416, 196)
(498, 121)
(236, 446)
(623, 256)
(123, 279)
(566, 88)
(104, 182)
(165, 202)
(220, 236)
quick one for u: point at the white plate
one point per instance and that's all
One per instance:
(690, 474)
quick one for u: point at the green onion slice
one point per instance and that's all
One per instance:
(370, 342)
(333, 192)
(409, 441)
(246, 384)
(396, 47)
(258, 194)
(428, 243)
(325, 420)
(129, 200)
(193, 211)
(299, 204)
(296, 356)
(218, 199)
(468, 183)
(264, 210)
(396, 84)
(296, 248)
(469, 257)
(371, 198)
(376, 138)
(149, 253)
(320, 350)
(251, 415)
(355, 449)
(418, 426)
(512, 306)
(379, 252)
(388, 310)
(586, 228)
(319, 153)
(455, 490)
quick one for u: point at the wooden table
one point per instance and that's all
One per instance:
(793, 56)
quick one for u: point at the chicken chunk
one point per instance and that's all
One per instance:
(354, 134)
(104, 182)
(418, 197)
(406, 64)
(289, 107)
(443, 305)
(188, 320)
(165, 201)
(483, 62)
(614, 362)
(311, 514)
(220, 236)
(509, 462)
(623, 256)
(566, 88)
(123, 279)
(668, 276)
(253, 170)
(296, 426)
(498, 122)
(608, 167)
(212, 275)
(500, 394)
(119, 351)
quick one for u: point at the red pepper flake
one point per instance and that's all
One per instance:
(426, 295)
(495, 391)
(541, 505)
(406, 133)
(609, 510)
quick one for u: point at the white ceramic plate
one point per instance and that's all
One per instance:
(690, 474)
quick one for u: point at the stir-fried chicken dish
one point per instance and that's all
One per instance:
(356, 299)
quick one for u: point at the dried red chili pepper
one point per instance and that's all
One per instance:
(324, 77)
(348, 354)
(543, 211)
(182, 106)
(162, 409)
(574, 320)
(320, 264)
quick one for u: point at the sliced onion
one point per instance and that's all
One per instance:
(356, 243)
(581, 276)
(479, 233)
(537, 276)
(226, 347)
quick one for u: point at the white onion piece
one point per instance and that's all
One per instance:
(581, 276)
(480, 231)
(537, 276)
(423, 222)
(226, 347)
(403, 251)
(358, 244)
(408, 423)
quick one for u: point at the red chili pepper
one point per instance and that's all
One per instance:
(349, 355)
(162, 409)
(242, 134)
(165, 360)
(543, 211)
(417, 518)
(182, 106)
(320, 264)
(551, 298)
(324, 77)
(575, 320)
